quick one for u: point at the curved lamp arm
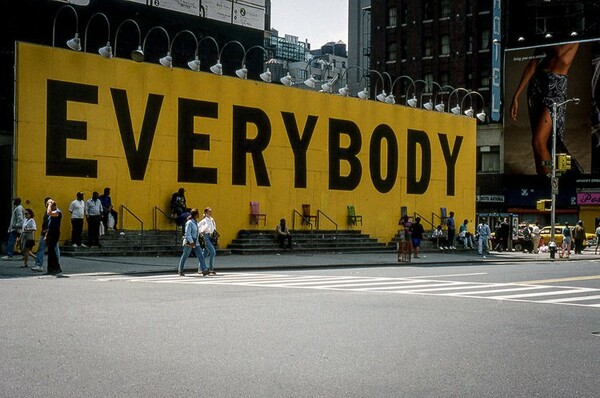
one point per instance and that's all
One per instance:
(105, 51)
(413, 101)
(75, 42)
(390, 98)
(344, 91)
(430, 105)
(213, 40)
(242, 73)
(166, 60)
(469, 112)
(456, 109)
(138, 54)
(195, 63)
(380, 97)
(217, 68)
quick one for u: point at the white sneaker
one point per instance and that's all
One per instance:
(484, 257)
(6, 258)
(37, 268)
(452, 247)
(74, 245)
(83, 245)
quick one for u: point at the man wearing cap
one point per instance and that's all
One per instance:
(77, 210)
(15, 228)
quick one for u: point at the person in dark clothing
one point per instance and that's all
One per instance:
(52, 237)
(178, 202)
(416, 235)
(283, 234)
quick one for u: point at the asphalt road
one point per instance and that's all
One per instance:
(460, 330)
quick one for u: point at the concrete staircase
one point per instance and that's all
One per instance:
(346, 241)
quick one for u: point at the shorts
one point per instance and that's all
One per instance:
(416, 242)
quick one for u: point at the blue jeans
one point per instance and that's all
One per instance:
(483, 246)
(186, 253)
(210, 252)
(10, 245)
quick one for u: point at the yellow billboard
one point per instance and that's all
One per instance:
(84, 122)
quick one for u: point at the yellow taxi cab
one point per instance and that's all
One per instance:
(590, 238)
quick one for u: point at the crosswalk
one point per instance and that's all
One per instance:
(533, 293)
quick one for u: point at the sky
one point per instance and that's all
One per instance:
(318, 21)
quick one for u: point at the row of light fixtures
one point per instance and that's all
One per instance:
(326, 87)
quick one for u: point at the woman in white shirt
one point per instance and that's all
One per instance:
(207, 227)
(28, 237)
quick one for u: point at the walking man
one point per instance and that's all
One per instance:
(15, 228)
(484, 232)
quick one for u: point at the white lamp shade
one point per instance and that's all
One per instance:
(311, 82)
(440, 107)
(242, 73)
(381, 96)
(344, 91)
(286, 80)
(106, 51)
(266, 76)
(456, 110)
(217, 68)
(428, 105)
(137, 55)
(469, 112)
(364, 95)
(481, 116)
(412, 102)
(327, 87)
(390, 99)
(74, 43)
(166, 61)
(194, 65)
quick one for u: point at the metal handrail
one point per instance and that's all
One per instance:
(306, 221)
(333, 222)
(423, 219)
(434, 216)
(123, 207)
(155, 217)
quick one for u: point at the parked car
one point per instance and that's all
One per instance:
(590, 238)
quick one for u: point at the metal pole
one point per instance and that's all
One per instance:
(552, 244)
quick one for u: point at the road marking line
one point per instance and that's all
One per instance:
(447, 276)
(515, 289)
(454, 288)
(407, 288)
(570, 279)
(568, 299)
(552, 293)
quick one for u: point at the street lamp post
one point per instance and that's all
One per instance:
(554, 179)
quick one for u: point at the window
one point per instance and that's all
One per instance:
(427, 10)
(485, 40)
(392, 16)
(488, 159)
(444, 78)
(445, 9)
(427, 47)
(392, 52)
(404, 15)
(484, 76)
(445, 44)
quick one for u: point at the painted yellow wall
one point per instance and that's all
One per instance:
(37, 65)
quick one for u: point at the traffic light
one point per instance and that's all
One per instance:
(567, 162)
(563, 162)
(543, 205)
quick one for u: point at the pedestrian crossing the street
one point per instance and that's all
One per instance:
(534, 293)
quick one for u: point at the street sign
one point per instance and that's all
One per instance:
(555, 186)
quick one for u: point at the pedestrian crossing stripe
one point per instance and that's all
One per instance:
(545, 294)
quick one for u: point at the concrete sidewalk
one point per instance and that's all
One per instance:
(288, 260)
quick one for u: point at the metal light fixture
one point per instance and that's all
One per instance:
(364, 95)
(390, 98)
(217, 68)
(210, 38)
(414, 102)
(327, 87)
(344, 91)
(242, 73)
(311, 82)
(74, 43)
(456, 109)
(381, 96)
(287, 80)
(105, 51)
(193, 64)
(470, 112)
(430, 105)
(441, 107)
(138, 54)
(165, 61)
